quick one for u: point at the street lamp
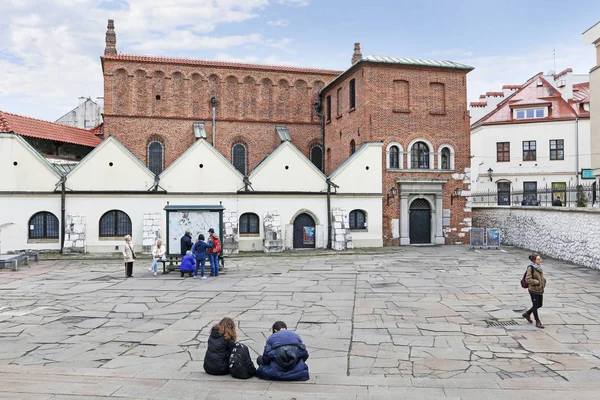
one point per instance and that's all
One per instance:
(457, 193)
(490, 172)
(393, 193)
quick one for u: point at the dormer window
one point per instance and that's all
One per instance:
(530, 113)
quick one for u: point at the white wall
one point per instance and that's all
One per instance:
(354, 177)
(373, 207)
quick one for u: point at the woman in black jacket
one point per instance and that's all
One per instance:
(220, 343)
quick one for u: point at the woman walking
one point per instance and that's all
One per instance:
(128, 256)
(220, 343)
(536, 284)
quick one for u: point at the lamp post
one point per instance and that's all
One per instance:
(393, 193)
(457, 193)
(213, 101)
(490, 172)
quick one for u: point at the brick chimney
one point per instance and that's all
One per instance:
(111, 39)
(357, 54)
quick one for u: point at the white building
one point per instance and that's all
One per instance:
(536, 138)
(87, 114)
(592, 36)
(110, 193)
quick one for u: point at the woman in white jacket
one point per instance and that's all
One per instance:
(158, 252)
(128, 256)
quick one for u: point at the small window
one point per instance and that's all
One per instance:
(328, 108)
(520, 114)
(43, 225)
(339, 103)
(530, 113)
(316, 156)
(155, 157)
(539, 113)
(358, 220)
(445, 158)
(249, 224)
(352, 147)
(503, 152)
(419, 154)
(394, 157)
(352, 94)
(529, 151)
(115, 223)
(557, 149)
(239, 158)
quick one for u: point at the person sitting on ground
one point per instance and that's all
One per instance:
(220, 343)
(188, 264)
(199, 251)
(158, 252)
(284, 358)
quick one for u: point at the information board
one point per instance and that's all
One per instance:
(196, 219)
(492, 237)
(477, 237)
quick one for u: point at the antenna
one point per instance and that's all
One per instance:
(554, 57)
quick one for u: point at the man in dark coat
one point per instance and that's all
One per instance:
(186, 243)
(284, 358)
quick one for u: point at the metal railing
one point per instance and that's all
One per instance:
(584, 195)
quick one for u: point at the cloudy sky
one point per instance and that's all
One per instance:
(50, 50)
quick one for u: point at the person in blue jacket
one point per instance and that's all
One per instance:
(188, 264)
(199, 251)
(284, 358)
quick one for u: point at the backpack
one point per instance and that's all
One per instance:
(216, 246)
(240, 362)
(524, 283)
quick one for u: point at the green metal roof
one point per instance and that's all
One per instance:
(416, 61)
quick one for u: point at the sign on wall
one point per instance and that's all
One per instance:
(587, 174)
(477, 237)
(308, 234)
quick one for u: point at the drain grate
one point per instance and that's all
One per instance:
(501, 322)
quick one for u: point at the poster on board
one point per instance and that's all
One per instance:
(493, 237)
(196, 222)
(308, 234)
(477, 237)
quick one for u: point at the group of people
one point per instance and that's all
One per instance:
(284, 357)
(193, 255)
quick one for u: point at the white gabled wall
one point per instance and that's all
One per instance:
(215, 175)
(362, 173)
(299, 176)
(31, 172)
(96, 173)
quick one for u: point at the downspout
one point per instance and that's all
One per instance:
(213, 101)
(328, 214)
(63, 217)
(577, 149)
(318, 107)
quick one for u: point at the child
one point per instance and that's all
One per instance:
(199, 251)
(188, 264)
(220, 343)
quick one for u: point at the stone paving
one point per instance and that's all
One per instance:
(399, 323)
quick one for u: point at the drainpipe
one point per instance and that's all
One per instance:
(328, 213)
(317, 107)
(63, 217)
(213, 101)
(577, 149)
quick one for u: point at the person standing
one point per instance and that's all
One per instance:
(128, 256)
(199, 251)
(284, 358)
(186, 243)
(158, 252)
(536, 283)
(220, 343)
(213, 255)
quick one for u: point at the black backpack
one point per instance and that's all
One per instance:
(240, 362)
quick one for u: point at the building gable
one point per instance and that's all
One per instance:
(287, 170)
(110, 167)
(361, 173)
(24, 169)
(201, 168)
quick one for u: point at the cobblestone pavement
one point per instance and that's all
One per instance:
(403, 323)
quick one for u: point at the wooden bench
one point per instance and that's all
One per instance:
(173, 261)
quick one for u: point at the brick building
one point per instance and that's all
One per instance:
(158, 106)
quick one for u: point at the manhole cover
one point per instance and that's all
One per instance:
(501, 322)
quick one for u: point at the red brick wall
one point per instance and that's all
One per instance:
(251, 102)
(378, 117)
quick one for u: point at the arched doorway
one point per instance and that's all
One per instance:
(420, 222)
(304, 232)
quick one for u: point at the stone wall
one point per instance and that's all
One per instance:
(273, 241)
(231, 243)
(341, 238)
(570, 234)
(75, 234)
(151, 231)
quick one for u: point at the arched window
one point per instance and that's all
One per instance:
(358, 220)
(249, 224)
(316, 156)
(419, 154)
(155, 157)
(445, 164)
(43, 225)
(238, 156)
(352, 147)
(115, 223)
(394, 157)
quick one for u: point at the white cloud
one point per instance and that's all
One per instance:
(296, 3)
(279, 23)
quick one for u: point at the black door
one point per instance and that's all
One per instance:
(420, 222)
(304, 232)
(504, 193)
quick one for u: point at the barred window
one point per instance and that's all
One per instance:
(358, 219)
(155, 157)
(249, 224)
(43, 225)
(115, 223)
(239, 158)
(316, 156)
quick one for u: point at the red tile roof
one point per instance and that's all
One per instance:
(511, 87)
(494, 94)
(37, 128)
(209, 63)
(478, 103)
(561, 73)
